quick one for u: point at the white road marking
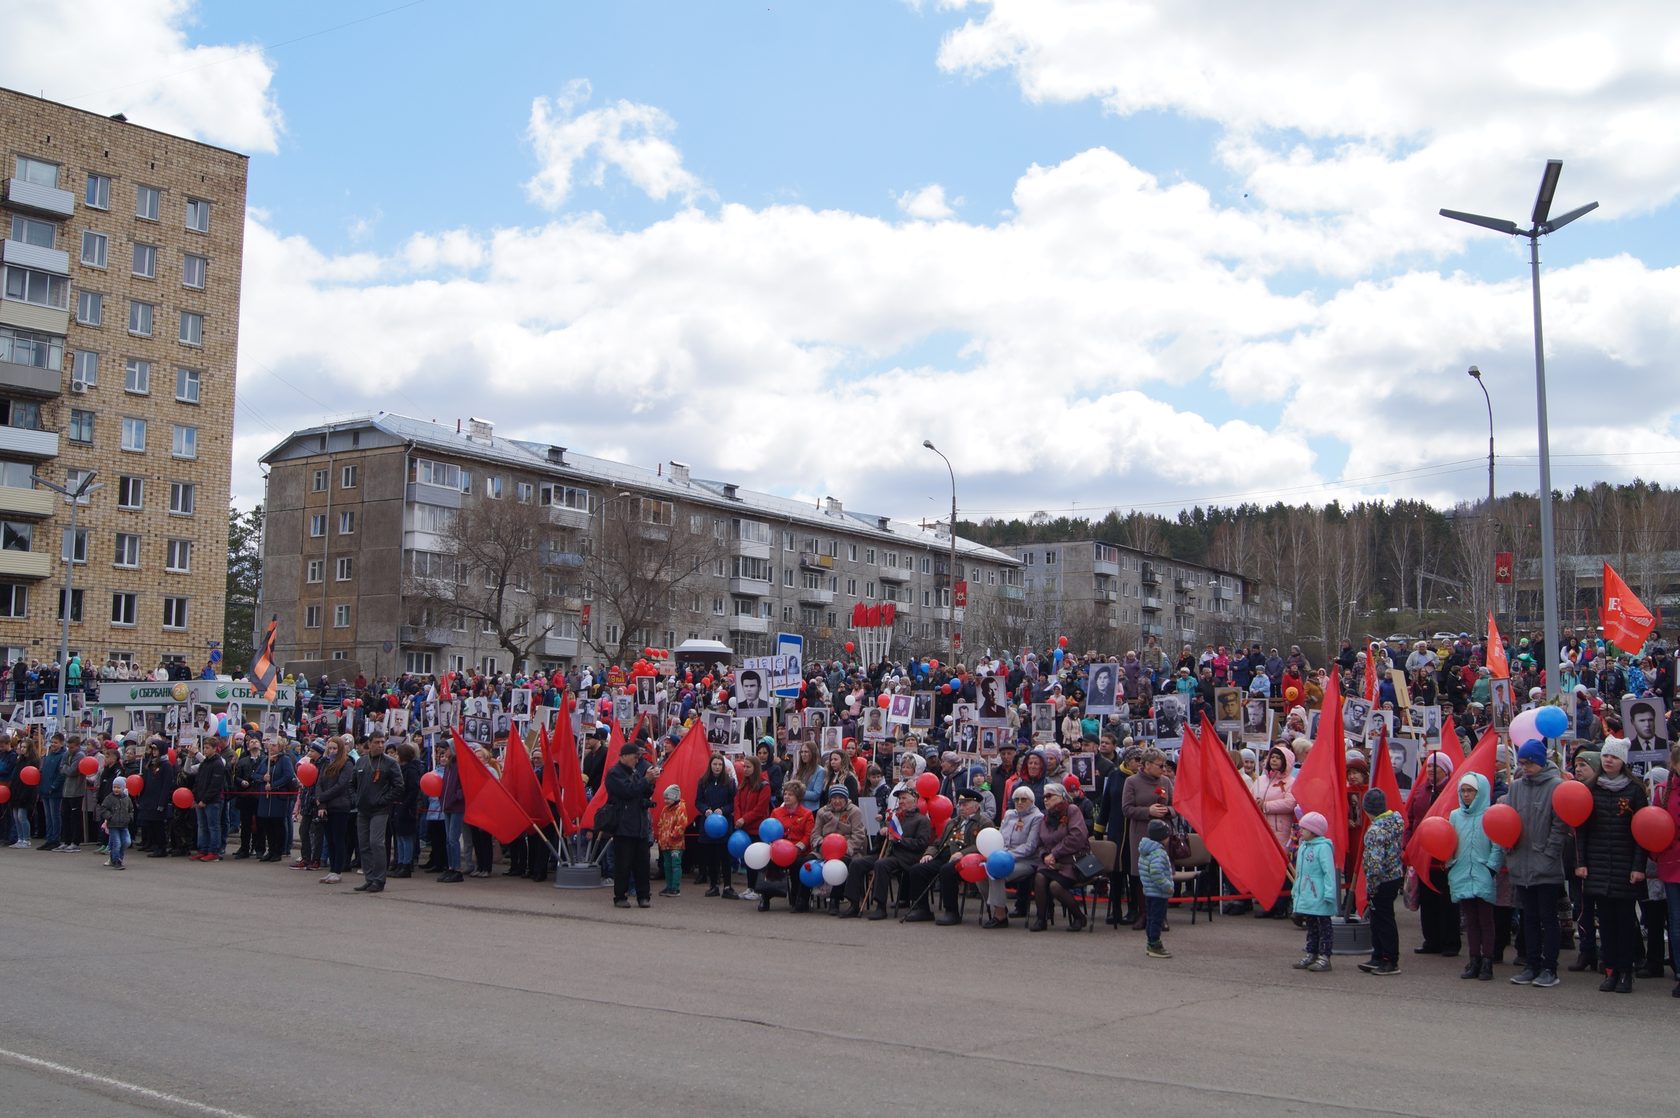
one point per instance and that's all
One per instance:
(118, 1084)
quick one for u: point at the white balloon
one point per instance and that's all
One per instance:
(757, 855)
(835, 872)
(1523, 727)
(988, 840)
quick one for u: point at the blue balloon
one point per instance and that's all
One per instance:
(810, 874)
(738, 843)
(1551, 721)
(716, 826)
(999, 864)
(221, 726)
(770, 830)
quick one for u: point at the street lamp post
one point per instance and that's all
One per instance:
(1540, 223)
(1492, 523)
(74, 497)
(951, 602)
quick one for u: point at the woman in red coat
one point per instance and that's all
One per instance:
(752, 807)
(798, 821)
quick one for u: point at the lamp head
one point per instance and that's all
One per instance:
(1475, 372)
(928, 443)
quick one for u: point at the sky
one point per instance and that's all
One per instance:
(1103, 254)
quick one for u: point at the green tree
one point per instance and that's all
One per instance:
(244, 588)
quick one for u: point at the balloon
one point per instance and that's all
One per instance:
(833, 846)
(927, 786)
(307, 774)
(934, 664)
(716, 826)
(222, 726)
(757, 855)
(1572, 802)
(1653, 828)
(835, 872)
(1502, 824)
(1292, 693)
(87, 766)
(1061, 642)
(1525, 725)
(5, 793)
(810, 873)
(1552, 722)
(784, 853)
(971, 867)
(884, 702)
(1438, 838)
(31, 775)
(944, 688)
(135, 784)
(432, 784)
(738, 842)
(939, 812)
(182, 798)
(178, 692)
(999, 864)
(850, 647)
(172, 755)
(770, 830)
(987, 841)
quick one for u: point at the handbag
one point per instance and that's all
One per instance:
(606, 818)
(1409, 891)
(1088, 866)
(1178, 845)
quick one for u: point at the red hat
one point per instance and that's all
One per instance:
(1070, 782)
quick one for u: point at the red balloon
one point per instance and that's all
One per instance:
(850, 647)
(860, 765)
(87, 766)
(393, 701)
(307, 773)
(1502, 824)
(5, 793)
(971, 867)
(883, 702)
(1572, 802)
(135, 784)
(1061, 642)
(183, 798)
(1438, 838)
(927, 786)
(939, 812)
(1653, 828)
(784, 853)
(833, 846)
(432, 784)
(31, 775)
(934, 664)
(172, 755)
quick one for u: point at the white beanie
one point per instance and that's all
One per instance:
(1614, 747)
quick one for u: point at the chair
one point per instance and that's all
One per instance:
(1192, 871)
(1109, 854)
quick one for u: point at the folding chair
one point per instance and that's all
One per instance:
(1192, 871)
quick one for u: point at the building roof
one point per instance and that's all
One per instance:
(1163, 560)
(534, 458)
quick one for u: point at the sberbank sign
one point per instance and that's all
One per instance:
(207, 692)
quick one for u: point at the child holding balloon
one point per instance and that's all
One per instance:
(1471, 874)
(670, 831)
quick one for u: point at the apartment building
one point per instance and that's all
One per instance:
(360, 511)
(118, 332)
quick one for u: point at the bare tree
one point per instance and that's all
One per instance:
(642, 559)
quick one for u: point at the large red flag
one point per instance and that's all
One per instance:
(1482, 760)
(1321, 785)
(1382, 776)
(686, 764)
(1213, 796)
(520, 779)
(1498, 663)
(490, 807)
(563, 774)
(1627, 623)
(1371, 672)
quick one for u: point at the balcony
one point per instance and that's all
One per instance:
(26, 502)
(1152, 630)
(818, 595)
(1108, 595)
(552, 647)
(749, 588)
(35, 317)
(26, 255)
(1149, 576)
(24, 443)
(741, 623)
(1013, 593)
(554, 557)
(440, 495)
(749, 549)
(424, 636)
(1187, 634)
(1109, 567)
(25, 564)
(25, 195)
(30, 380)
(1151, 604)
(563, 516)
(808, 562)
(896, 574)
(647, 531)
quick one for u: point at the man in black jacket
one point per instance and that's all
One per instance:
(909, 834)
(378, 785)
(629, 797)
(209, 785)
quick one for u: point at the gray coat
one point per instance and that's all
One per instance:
(1537, 859)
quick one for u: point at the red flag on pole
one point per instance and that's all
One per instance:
(1321, 785)
(566, 787)
(687, 763)
(1213, 796)
(1481, 760)
(1498, 663)
(489, 805)
(520, 779)
(1627, 623)
(1370, 673)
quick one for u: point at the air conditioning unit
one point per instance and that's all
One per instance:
(78, 385)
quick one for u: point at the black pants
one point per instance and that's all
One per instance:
(1385, 931)
(152, 832)
(271, 836)
(341, 829)
(919, 880)
(1540, 925)
(434, 845)
(885, 870)
(715, 864)
(247, 825)
(1438, 915)
(484, 849)
(538, 855)
(630, 859)
(71, 829)
(1617, 930)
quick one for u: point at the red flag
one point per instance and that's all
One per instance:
(1371, 673)
(1627, 623)
(1321, 785)
(490, 807)
(520, 779)
(574, 793)
(1213, 796)
(686, 764)
(1481, 760)
(1382, 776)
(1498, 663)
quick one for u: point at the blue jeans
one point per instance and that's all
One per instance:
(118, 843)
(20, 824)
(53, 806)
(211, 831)
(1671, 892)
(1154, 917)
(405, 849)
(452, 839)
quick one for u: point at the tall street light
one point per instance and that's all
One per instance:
(74, 497)
(1540, 223)
(951, 602)
(1493, 526)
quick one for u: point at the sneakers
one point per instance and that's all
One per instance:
(117, 866)
(71, 848)
(748, 894)
(1545, 979)
(450, 877)
(331, 879)
(670, 893)
(1303, 962)
(1526, 978)
(1157, 950)
(731, 895)
(1385, 969)
(300, 864)
(1319, 965)
(1370, 966)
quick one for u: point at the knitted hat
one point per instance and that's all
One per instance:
(672, 793)
(840, 790)
(1592, 760)
(1314, 823)
(1657, 775)
(1533, 750)
(1614, 747)
(1158, 830)
(120, 785)
(1502, 755)
(1376, 802)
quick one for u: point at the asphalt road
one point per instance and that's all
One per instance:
(246, 989)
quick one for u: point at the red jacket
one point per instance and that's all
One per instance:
(797, 822)
(1668, 861)
(752, 806)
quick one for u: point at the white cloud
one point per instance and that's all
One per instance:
(623, 136)
(132, 57)
(928, 203)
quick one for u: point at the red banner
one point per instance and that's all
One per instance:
(959, 594)
(1504, 564)
(1627, 623)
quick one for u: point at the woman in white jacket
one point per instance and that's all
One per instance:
(1020, 837)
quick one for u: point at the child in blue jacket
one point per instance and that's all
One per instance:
(1315, 891)
(1155, 871)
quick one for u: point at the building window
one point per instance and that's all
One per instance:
(174, 613)
(34, 231)
(146, 200)
(193, 271)
(14, 601)
(493, 487)
(318, 482)
(131, 492)
(15, 535)
(312, 617)
(344, 570)
(178, 557)
(183, 441)
(198, 215)
(22, 347)
(317, 525)
(124, 607)
(187, 382)
(37, 171)
(347, 477)
(417, 663)
(524, 492)
(192, 328)
(137, 376)
(341, 617)
(140, 318)
(145, 260)
(182, 497)
(134, 434)
(95, 248)
(42, 289)
(84, 368)
(347, 522)
(314, 569)
(73, 549)
(80, 428)
(97, 196)
(127, 550)
(90, 308)
(75, 606)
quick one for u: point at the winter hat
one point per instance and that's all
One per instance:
(1249, 755)
(1376, 802)
(1158, 830)
(1314, 823)
(1592, 760)
(1614, 747)
(1356, 760)
(120, 785)
(840, 790)
(1657, 775)
(1502, 755)
(672, 793)
(1532, 750)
